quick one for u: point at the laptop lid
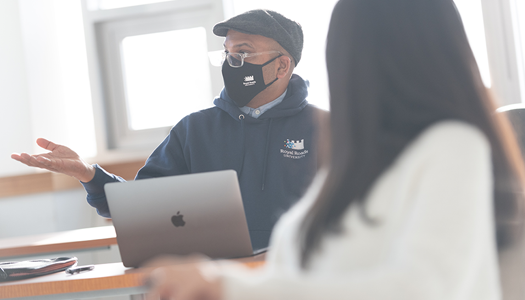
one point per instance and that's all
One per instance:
(201, 212)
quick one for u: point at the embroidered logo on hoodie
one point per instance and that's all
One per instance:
(294, 145)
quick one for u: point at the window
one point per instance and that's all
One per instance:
(150, 67)
(173, 78)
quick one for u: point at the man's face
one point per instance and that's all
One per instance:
(238, 42)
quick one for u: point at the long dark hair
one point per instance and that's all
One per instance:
(396, 67)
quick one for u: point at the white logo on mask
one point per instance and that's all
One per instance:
(248, 81)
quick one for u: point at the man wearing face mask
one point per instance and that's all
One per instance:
(261, 126)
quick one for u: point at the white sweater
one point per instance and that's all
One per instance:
(435, 237)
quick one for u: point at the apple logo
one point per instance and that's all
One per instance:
(177, 220)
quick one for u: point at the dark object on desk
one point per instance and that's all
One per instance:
(32, 268)
(78, 270)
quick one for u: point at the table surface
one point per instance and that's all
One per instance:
(102, 279)
(80, 239)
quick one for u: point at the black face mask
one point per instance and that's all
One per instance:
(244, 83)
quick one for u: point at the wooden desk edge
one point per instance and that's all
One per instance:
(129, 279)
(71, 286)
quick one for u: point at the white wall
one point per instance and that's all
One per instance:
(57, 74)
(45, 212)
(44, 86)
(15, 122)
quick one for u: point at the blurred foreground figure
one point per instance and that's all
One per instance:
(423, 183)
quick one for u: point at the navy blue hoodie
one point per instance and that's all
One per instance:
(275, 156)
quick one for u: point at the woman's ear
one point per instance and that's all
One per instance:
(284, 64)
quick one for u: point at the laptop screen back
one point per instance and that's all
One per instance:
(195, 213)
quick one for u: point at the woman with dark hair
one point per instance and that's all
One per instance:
(423, 179)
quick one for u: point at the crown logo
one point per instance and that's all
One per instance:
(248, 78)
(296, 145)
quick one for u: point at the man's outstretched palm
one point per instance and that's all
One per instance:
(60, 159)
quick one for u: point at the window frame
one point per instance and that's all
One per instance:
(502, 47)
(104, 31)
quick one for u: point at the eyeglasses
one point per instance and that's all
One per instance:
(235, 60)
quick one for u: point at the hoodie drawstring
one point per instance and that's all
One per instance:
(266, 154)
(241, 118)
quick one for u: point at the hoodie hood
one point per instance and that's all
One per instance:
(293, 102)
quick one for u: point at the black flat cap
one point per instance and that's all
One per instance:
(268, 23)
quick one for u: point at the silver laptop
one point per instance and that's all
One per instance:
(195, 213)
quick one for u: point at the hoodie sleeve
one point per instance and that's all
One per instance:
(95, 188)
(166, 160)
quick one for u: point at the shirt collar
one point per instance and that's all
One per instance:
(257, 112)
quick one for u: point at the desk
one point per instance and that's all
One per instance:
(105, 280)
(57, 242)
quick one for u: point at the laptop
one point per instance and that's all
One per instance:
(184, 214)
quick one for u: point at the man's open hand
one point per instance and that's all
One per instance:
(60, 159)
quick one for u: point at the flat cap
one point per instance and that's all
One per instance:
(268, 23)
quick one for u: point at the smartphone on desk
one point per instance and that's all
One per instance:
(80, 269)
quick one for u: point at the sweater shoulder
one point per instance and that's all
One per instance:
(451, 136)
(451, 143)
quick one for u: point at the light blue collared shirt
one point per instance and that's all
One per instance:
(257, 112)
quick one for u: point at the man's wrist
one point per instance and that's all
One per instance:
(88, 175)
